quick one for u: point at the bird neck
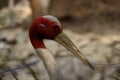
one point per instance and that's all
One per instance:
(50, 64)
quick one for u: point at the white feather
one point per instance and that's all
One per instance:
(53, 19)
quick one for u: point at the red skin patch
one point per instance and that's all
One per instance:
(37, 33)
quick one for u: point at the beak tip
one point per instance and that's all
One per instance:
(90, 66)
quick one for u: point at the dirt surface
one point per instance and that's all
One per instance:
(100, 44)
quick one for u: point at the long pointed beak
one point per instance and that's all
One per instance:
(68, 44)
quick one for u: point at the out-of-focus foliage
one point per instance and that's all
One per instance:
(97, 9)
(18, 14)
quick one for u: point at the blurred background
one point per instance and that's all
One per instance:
(93, 25)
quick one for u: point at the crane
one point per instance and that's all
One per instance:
(48, 27)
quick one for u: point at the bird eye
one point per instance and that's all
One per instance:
(42, 26)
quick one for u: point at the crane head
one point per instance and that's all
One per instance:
(48, 27)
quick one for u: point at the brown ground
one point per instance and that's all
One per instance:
(97, 36)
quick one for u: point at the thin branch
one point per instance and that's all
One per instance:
(31, 71)
(13, 74)
(19, 67)
(116, 78)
